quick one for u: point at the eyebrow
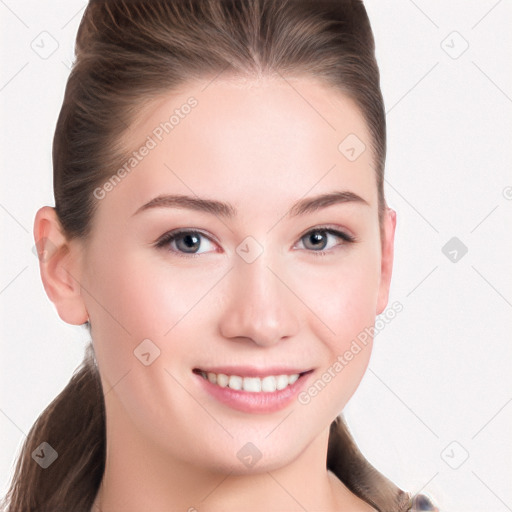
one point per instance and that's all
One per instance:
(226, 210)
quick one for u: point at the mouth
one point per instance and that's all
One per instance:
(248, 381)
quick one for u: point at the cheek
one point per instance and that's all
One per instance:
(342, 293)
(151, 300)
(146, 296)
(343, 298)
(161, 297)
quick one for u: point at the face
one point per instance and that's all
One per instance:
(253, 284)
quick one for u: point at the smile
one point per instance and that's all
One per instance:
(270, 383)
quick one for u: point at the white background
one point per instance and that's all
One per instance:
(439, 385)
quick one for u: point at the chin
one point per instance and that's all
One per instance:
(245, 457)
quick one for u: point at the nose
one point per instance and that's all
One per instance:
(260, 307)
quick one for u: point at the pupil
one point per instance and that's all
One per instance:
(317, 238)
(191, 241)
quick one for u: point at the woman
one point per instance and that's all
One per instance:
(220, 226)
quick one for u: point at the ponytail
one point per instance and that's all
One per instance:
(346, 461)
(72, 428)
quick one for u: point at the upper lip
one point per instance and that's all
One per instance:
(252, 371)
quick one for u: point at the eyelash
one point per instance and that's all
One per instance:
(169, 237)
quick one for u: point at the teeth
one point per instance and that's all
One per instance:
(222, 380)
(293, 378)
(270, 383)
(282, 381)
(235, 382)
(252, 384)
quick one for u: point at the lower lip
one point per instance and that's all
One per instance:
(256, 402)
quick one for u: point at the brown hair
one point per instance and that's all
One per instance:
(128, 52)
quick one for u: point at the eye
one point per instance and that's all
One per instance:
(182, 242)
(186, 243)
(318, 239)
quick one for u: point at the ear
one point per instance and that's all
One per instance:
(387, 243)
(59, 265)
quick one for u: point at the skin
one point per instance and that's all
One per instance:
(260, 146)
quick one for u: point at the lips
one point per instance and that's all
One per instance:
(253, 390)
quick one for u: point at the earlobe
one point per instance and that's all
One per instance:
(389, 226)
(59, 267)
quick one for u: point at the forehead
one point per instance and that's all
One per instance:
(249, 142)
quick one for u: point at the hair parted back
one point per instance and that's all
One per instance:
(127, 53)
